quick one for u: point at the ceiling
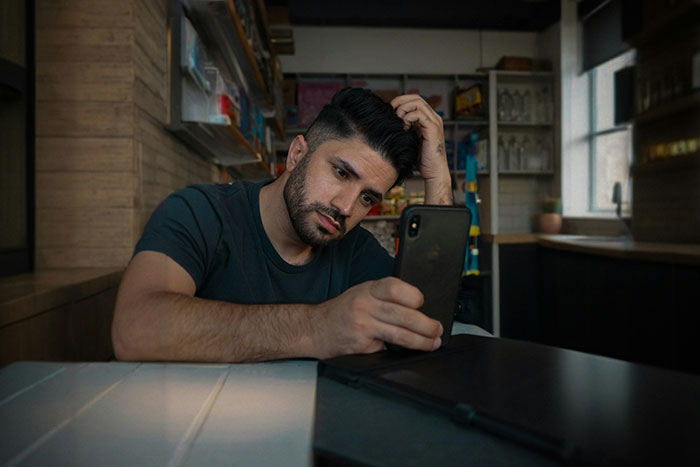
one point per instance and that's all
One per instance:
(511, 15)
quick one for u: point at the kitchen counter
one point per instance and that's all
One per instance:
(622, 248)
(615, 247)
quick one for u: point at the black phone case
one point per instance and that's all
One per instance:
(433, 260)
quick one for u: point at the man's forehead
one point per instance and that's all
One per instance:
(363, 159)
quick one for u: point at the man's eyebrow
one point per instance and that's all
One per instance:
(351, 170)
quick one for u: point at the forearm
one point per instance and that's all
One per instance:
(438, 190)
(178, 327)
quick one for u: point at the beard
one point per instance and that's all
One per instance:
(300, 211)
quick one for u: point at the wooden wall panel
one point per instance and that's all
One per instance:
(151, 34)
(151, 102)
(84, 81)
(84, 45)
(84, 13)
(85, 154)
(72, 257)
(84, 189)
(89, 119)
(104, 157)
(94, 227)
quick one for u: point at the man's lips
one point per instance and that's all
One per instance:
(328, 223)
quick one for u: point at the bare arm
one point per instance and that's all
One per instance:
(157, 317)
(416, 112)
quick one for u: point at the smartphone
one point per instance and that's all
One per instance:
(432, 246)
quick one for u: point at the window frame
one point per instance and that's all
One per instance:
(591, 137)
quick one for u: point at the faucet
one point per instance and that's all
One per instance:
(617, 199)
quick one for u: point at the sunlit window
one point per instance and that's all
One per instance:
(610, 145)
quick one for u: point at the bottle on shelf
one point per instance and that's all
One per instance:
(547, 105)
(546, 155)
(513, 154)
(525, 154)
(501, 105)
(507, 105)
(517, 114)
(502, 155)
(527, 107)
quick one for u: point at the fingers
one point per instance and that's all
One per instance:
(413, 102)
(394, 290)
(398, 306)
(405, 338)
(410, 319)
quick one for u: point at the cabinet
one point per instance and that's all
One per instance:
(225, 83)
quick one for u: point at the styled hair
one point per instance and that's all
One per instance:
(357, 112)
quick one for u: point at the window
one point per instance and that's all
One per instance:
(609, 146)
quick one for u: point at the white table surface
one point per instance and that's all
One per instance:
(114, 413)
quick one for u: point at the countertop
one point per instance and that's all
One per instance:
(615, 247)
(620, 247)
(26, 295)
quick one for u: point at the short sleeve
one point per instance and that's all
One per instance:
(187, 228)
(370, 260)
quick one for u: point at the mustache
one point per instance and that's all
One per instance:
(331, 212)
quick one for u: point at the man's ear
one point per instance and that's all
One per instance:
(297, 151)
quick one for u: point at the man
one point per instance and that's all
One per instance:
(261, 271)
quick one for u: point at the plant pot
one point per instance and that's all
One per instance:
(549, 223)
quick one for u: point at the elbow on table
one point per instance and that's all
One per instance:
(127, 342)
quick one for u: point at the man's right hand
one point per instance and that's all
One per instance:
(366, 316)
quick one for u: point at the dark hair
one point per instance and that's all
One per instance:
(359, 112)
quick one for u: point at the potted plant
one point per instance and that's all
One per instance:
(549, 221)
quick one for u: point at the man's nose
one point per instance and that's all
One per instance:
(344, 202)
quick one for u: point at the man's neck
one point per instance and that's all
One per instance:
(278, 226)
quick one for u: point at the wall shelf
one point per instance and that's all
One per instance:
(670, 108)
(220, 28)
(218, 22)
(223, 143)
(544, 126)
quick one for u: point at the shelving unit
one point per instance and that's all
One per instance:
(666, 141)
(220, 27)
(488, 126)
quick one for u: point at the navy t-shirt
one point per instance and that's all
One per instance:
(216, 234)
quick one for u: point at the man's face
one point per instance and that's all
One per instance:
(330, 191)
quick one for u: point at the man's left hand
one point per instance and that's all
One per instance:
(417, 113)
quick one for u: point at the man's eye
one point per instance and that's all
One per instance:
(341, 173)
(367, 199)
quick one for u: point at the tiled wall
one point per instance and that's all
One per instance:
(520, 198)
(103, 157)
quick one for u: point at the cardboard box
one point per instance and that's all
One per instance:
(514, 64)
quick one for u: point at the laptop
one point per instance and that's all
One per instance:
(550, 406)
